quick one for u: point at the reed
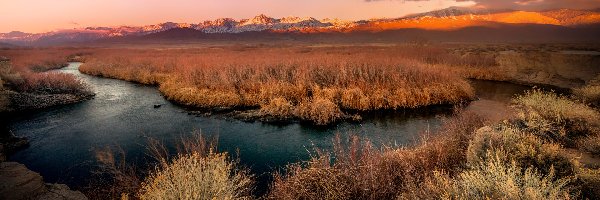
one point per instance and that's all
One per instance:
(339, 79)
(361, 171)
(26, 71)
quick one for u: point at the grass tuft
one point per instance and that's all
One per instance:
(196, 176)
(495, 179)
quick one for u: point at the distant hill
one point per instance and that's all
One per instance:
(495, 33)
(453, 19)
(7, 45)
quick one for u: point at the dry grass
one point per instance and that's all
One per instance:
(510, 160)
(356, 170)
(590, 92)
(525, 149)
(195, 176)
(38, 59)
(116, 179)
(590, 144)
(52, 83)
(25, 71)
(557, 118)
(287, 83)
(197, 171)
(495, 179)
(589, 180)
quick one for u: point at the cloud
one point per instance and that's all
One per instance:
(528, 4)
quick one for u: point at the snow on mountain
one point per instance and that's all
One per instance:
(449, 18)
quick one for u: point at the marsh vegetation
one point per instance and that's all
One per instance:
(26, 80)
(321, 85)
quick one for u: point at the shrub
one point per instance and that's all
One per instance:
(278, 107)
(9, 75)
(494, 178)
(589, 179)
(590, 144)
(356, 170)
(196, 172)
(589, 93)
(53, 83)
(116, 177)
(354, 99)
(198, 177)
(319, 111)
(524, 149)
(557, 118)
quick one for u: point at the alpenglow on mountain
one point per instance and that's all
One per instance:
(445, 19)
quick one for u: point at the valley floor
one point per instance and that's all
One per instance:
(545, 145)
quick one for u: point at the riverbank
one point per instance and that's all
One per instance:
(542, 151)
(27, 86)
(561, 65)
(20, 183)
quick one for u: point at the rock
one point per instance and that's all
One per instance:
(18, 182)
(10, 143)
(2, 154)
(61, 191)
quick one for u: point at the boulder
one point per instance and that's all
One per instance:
(18, 182)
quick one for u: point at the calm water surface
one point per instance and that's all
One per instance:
(63, 139)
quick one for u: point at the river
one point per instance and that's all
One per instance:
(63, 140)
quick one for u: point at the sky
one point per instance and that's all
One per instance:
(36, 16)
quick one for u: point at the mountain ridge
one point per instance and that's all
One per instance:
(445, 19)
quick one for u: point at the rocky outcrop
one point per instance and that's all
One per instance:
(30, 101)
(18, 182)
(10, 143)
(566, 69)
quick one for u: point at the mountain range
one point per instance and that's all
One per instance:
(453, 18)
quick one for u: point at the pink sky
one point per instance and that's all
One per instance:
(48, 15)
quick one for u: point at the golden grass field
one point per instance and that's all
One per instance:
(316, 84)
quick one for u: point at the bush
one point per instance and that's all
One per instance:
(524, 149)
(590, 144)
(196, 172)
(356, 170)
(53, 83)
(557, 118)
(494, 178)
(320, 111)
(589, 93)
(590, 183)
(278, 107)
(354, 99)
(198, 177)
(8, 75)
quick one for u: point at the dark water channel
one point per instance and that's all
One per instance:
(63, 139)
